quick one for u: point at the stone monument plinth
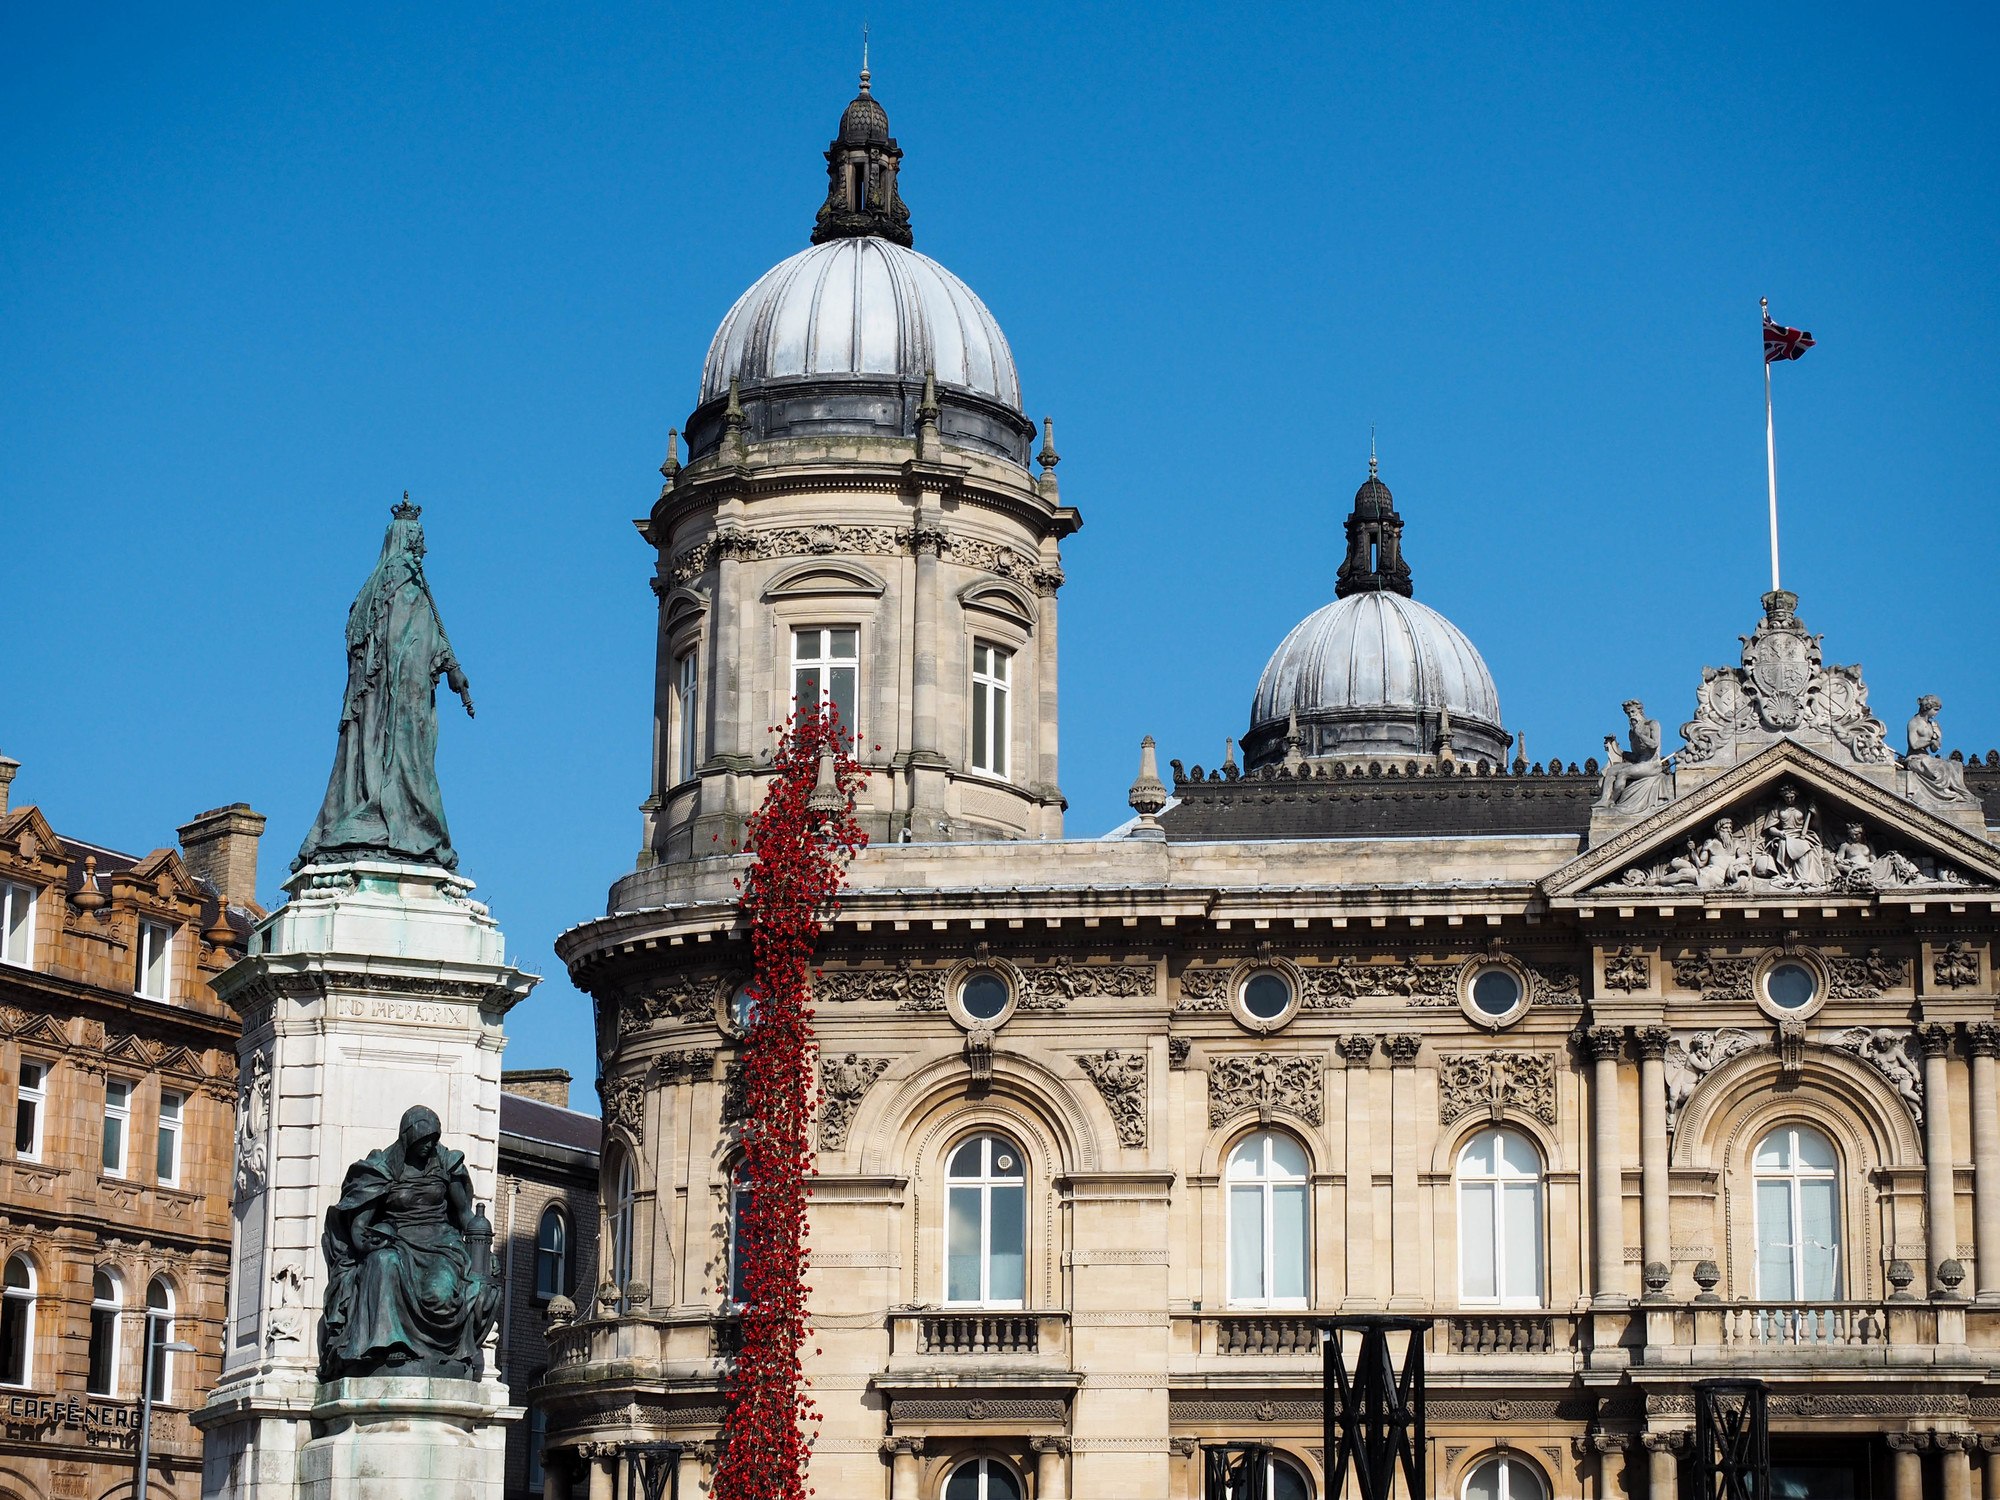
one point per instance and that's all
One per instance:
(377, 987)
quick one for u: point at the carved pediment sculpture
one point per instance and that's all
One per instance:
(1782, 687)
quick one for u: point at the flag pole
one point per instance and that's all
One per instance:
(1770, 449)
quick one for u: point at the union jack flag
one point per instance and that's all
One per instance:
(1784, 343)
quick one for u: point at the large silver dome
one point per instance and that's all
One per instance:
(1375, 674)
(862, 307)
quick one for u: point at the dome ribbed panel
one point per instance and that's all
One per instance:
(862, 307)
(1375, 650)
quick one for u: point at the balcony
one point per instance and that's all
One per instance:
(932, 1336)
(639, 1346)
(1823, 1335)
(1470, 1341)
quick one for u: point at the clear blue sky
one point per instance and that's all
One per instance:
(263, 268)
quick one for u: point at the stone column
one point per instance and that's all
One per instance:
(1051, 1472)
(1663, 1469)
(902, 1453)
(1991, 1466)
(1607, 1173)
(926, 542)
(555, 1475)
(1610, 1448)
(1983, 1042)
(1406, 1258)
(1940, 1208)
(1908, 1448)
(603, 1470)
(1360, 1236)
(1656, 1250)
(1047, 581)
(1955, 1449)
(725, 656)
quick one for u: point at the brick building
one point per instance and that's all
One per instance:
(547, 1220)
(115, 1197)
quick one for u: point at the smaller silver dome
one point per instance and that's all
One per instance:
(1370, 676)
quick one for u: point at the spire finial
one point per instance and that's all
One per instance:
(673, 460)
(864, 57)
(1371, 452)
(1048, 458)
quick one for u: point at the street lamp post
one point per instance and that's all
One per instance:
(149, 1349)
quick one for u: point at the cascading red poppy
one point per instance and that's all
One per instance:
(801, 840)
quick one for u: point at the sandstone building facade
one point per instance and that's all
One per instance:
(120, 1067)
(1624, 1075)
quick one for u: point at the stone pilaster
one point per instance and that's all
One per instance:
(1606, 1044)
(1982, 1042)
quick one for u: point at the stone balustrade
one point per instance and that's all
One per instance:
(1030, 1337)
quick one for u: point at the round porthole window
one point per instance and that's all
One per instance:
(1791, 985)
(1266, 996)
(742, 1008)
(983, 995)
(1493, 992)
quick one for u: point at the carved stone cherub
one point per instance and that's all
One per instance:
(1632, 777)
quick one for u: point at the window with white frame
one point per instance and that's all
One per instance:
(1505, 1479)
(986, 1224)
(156, 958)
(992, 670)
(552, 1254)
(159, 1361)
(1267, 1222)
(621, 1222)
(1500, 1221)
(17, 1321)
(17, 924)
(982, 1479)
(107, 1306)
(167, 1144)
(1282, 1480)
(117, 1124)
(31, 1097)
(1797, 1177)
(687, 700)
(826, 668)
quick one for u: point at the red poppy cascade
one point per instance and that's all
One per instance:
(801, 840)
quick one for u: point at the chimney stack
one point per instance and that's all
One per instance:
(8, 768)
(220, 847)
(543, 1085)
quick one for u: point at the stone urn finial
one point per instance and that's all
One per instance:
(1656, 1275)
(607, 1300)
(1900, 1277)
(561, 1312)
(1950, 1276)
(1707, 1276)
(637, 1295)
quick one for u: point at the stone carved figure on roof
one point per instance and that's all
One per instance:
(1634, 778)
(1719, 862)
(382, 800)
(1782, 686)
(1944, 779)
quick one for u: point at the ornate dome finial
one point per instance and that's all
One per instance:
(1374, 560)
(861, 165)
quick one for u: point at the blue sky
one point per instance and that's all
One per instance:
(264, 268)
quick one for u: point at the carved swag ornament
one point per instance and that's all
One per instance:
(1494, 1082)
(1265, 1082)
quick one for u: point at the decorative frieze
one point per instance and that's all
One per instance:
(1265, 1082)
(624, 1102)
(1627, 970)
(843, 1081)
(1496, 1082)
(689, 1065)
(1121, 1079)
(1866, 978)
(859, 541)
(1713, 978)
(1203, 990)
(1051, 987)
(915, 990)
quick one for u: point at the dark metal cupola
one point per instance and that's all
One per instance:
(861, 196)
(1374, 542)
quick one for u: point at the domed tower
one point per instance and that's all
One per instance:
(857, 523)
(1375, 675)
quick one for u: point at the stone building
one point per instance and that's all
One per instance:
(114, 1215)
(1624, 1075)
(546, 1216)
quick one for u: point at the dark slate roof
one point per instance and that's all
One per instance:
(532, 1120)
(1378, 801)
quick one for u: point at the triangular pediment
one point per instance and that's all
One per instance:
(26, 834)
(163, 873)
(1780, 825)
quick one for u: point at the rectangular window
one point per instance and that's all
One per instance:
(991, 667)
(538, 1439)
(156, 952)
(168, 1154)
(17, 924)
(826, 666)
(28, 1102)
(117, 1123)
(688, 677)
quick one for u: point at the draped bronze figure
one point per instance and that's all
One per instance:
(410, 1288)
(383, 800)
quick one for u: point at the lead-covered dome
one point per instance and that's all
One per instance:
(861, 307)
(842, 338)
(1375, 674)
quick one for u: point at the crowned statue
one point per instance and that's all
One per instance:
(383, 800)
(410, 1288)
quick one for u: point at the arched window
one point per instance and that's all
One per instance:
(982, 1479)
(986, 1224)
(1505, 1479)
(1267, 1222)
(619, 1218)
(739, 1206)
(1798, 1216)
(159, 1334)
(1281, 1477)
(552, 1254)
(107, 1304)
(1500, 1221)
(17, 1321)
